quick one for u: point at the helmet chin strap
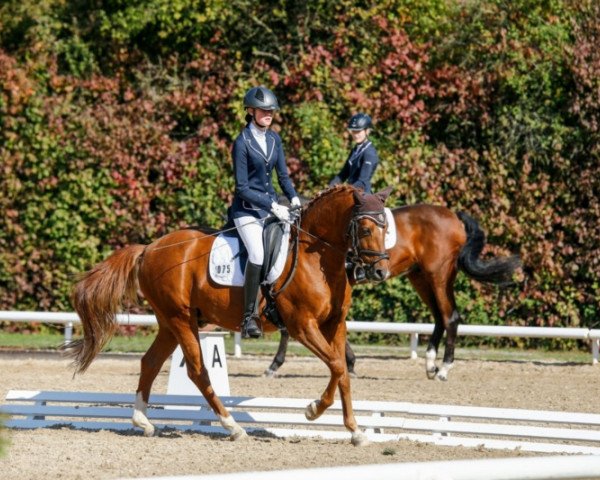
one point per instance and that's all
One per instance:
(262, 128)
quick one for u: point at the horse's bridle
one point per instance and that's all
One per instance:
(356, 252)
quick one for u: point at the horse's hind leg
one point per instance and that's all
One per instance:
(151, 363)
(279, 356)
(423, 286)
(350, 360)
(447, 306)
(187, 335)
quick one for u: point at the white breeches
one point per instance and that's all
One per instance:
(250, 230)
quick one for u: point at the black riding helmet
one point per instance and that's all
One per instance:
(261, 97)
(360, 121)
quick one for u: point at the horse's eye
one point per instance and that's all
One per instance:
(364, 232)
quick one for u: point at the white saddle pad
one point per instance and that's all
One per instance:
(224, 264)
(390, 234)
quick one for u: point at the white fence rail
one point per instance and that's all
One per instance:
(412, 329)
(444, 425)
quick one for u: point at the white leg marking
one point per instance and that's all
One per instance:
(359, 439)
(139, 418)
(443, 373)
(235, 431)
(430, 368)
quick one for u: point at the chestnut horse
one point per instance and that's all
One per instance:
(432, 245)
(172, 273)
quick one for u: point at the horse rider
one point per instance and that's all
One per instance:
(363, 159)
(257, 151)
(359, 168)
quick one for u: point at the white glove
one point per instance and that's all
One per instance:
(281, 212)
(295, 202)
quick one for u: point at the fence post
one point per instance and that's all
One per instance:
(237, 345)
(595, 350)
(68, 332)
(414, 342)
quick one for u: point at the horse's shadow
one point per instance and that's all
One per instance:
(169, 432)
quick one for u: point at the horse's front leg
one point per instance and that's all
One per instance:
(341, 342)
(332, 352)
(279, 356)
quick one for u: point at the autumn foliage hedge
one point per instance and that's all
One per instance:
(117, 117)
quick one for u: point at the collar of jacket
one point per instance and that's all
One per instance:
(253, 144)
(358, 150)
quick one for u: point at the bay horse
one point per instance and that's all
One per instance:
(432, 245)
(312, 297)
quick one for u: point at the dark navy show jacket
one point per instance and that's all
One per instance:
(359, 167)
(253, 170)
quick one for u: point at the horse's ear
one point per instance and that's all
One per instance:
(359, 198)
(385, 193)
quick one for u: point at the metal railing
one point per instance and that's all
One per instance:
(412, 329)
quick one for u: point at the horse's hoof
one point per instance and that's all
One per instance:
(359, 439)
(352, 374)
(431, 374)
(237, 435)
(140, 420)
(311, 411)
(443, 373)
(268, 373)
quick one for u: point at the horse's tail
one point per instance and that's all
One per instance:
(496, 270)
(97, 297)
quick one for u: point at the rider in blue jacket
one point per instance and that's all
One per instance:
(358, 169)
(362, 161)
(257, 153)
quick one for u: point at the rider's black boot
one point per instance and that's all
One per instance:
(251, 321)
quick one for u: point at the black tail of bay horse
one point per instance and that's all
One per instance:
(432, 245)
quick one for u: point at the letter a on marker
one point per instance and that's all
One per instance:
(216, 357)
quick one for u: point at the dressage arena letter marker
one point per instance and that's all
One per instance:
(213, 356)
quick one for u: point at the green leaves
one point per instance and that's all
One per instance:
(117, 118)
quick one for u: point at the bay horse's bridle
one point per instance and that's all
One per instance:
(356, 251)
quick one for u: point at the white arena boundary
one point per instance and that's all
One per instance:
(533, 468)
(412, 329)
(447, 425)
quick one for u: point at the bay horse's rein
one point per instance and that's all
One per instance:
(355, 252)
